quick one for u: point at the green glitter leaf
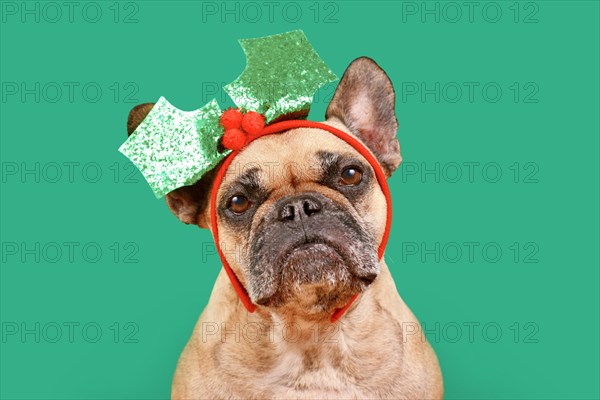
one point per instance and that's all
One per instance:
(174, 148)
(282, 74)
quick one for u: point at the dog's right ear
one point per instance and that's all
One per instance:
(365, 102)
(188, 203)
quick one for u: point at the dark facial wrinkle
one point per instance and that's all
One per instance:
(328, 160)
(249, 182)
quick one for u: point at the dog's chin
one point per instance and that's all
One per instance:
(316, 277)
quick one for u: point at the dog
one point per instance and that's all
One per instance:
(300, 219)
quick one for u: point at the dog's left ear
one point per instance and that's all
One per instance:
(365, 102)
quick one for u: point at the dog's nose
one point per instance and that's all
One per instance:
(296, 207)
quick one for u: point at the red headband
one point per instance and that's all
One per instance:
(233, 135)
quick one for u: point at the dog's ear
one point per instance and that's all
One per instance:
(188, 203)
(365, 102)
(137, 115)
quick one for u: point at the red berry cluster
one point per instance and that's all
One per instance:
(240, 129)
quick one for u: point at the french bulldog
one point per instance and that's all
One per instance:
(300, 218)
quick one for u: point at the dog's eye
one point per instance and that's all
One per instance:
(239, 204)
(351, 176)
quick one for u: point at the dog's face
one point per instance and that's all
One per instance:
(300, 214)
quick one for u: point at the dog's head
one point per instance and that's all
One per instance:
(300, 214)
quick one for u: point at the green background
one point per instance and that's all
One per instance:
(543, 140)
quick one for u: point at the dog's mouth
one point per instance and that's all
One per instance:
(319, 271)
(306, 250)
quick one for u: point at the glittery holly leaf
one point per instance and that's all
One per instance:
(282, 74)
(174, 148)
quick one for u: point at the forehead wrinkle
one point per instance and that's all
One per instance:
(250, 178)
(327, 159)
(293, 178)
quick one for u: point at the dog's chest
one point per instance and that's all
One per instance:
(302, 374)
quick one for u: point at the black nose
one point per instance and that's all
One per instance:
(296, 207)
